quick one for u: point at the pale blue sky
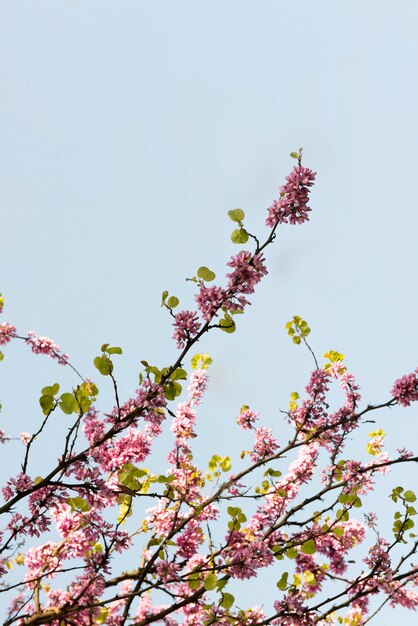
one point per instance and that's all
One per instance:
(127, 131)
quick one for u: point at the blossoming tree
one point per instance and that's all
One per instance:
(292, 513)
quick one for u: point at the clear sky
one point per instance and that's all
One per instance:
(129, 129)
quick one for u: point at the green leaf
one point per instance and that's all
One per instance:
(47, 404)
(308, 547)
(227, 325)
(103, 364)
(115, 350)
(172, 389)
(194, 583)
(227, 600)
(409, 496)
(78, 504)
(125, 511)
(282, 583)
(68, 403)
(291, 553)
(51, 390)
(201, 361)
(239, 235)
(294, 155)
(221, 584)
(226, 464)
(210, 581)
(172, 302)
(206, 274)
(236, 215)
(102, 617)
(272, 472)
(179, 374)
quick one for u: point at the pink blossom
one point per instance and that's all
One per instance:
(371, 520)
(149, 401)
(264, 443)
(22, 482)
(405, 389)
(254, 615)
(197, 386)
(306, 562)
(210, 300)
(244, 556)
(186, 325)
(162, 519)
(3, 436)
(404, 453)
(248, 270)
(133, 447)
(291, 612)
(402, 596)
(43, 345)
(381, 457)
(294, 196)
(378, 560)
(353, 533)
(93, 427)
(144, 609)
(189, 540)
(41, 561)
(246, 418)
(355, 616)
(183, 423)
(25, 438)
(7, 333)
(168, 572)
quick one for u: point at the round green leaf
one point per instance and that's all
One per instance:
(236, 215)
(227, 325)
(227, 600)
(172, 302)
(308, 547)
(409, 496)
(206, 274)
(68, 403)
(210, 582)
(239, 235)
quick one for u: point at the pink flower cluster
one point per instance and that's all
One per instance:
(405, 389)
(245, 557)
(264, 444)
(291, 612)
(43, 345)
(183, 423)
(294, 196)
(247, 418)
(248, 270)
(3, 436)
(7, 333)
(186, 326)
(210, 300)
(337, 547)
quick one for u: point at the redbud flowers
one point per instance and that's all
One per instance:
(294, 196)
(186, 325)
(43, 345)
(405, 389)
(7, 333)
